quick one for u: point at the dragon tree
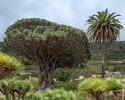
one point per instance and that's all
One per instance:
(8, 64)
(48, 45)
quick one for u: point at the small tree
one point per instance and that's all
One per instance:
(94, 87)
(13, 89)
(48, 45)
(8, 64)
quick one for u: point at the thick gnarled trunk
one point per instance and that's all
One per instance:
(45, 78)
(97, 95)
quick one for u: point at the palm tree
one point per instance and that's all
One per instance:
(104, 28)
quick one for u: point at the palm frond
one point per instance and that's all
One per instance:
(104, 25)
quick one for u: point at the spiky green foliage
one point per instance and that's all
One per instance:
(92, 85)
(114, 84)
(14, 88)
(104, 26)
(15, 84)
(9, 61)
(55, 94)
(68, 86)
(34, 82)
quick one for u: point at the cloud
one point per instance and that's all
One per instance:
(69, 12)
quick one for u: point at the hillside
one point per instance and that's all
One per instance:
(115, 53)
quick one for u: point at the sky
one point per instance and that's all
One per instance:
(68, 12)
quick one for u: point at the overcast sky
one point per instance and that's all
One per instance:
(69, 12)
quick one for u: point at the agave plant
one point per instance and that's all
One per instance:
(94, 87)
(7, 64)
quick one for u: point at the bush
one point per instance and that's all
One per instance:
(13, 88)
(8, 64)
(9, 61)
(56, 94)
(114, 84)
(67, 86)
(62, 74)
(34, 82)
(93, 86)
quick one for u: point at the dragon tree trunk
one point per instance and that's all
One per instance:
(45, 78)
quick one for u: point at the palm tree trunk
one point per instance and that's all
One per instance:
(103, 57)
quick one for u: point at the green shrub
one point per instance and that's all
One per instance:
(34, 82)
(29, 96)
(67, 86)
(62, 74)
(93, 86)
(2, 97)
(56, 94)
(14, 88)
(22, 86)
(10, 61)
(114, 84)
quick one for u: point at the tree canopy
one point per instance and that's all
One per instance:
(104, 26)
(36, 38)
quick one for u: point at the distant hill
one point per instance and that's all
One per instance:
(4, 49)
(115, 51)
